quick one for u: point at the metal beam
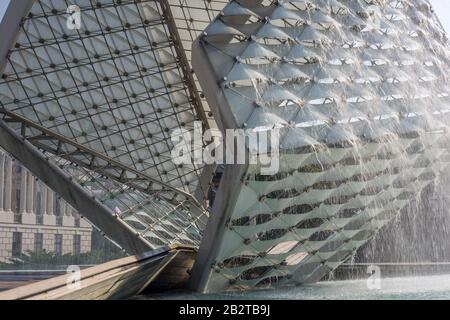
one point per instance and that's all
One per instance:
(183, 61)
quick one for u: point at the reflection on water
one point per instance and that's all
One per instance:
(423, 287)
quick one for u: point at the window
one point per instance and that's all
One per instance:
(17, 244)
(38, 203)
(39, 213)
(58, 244)
(17, 194)
(38, 242)
(58, 213)
(17, 213)
(76, 244)
(17, 206)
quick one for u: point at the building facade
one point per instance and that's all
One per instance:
(34, 218)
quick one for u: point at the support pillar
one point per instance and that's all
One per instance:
(2, 179)
(68, 219)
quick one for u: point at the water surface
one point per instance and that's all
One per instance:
(420, 287)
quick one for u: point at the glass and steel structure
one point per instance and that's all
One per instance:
(357, 89)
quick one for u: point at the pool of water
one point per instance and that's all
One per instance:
(420, 287)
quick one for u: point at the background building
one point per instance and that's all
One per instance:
(34, 218)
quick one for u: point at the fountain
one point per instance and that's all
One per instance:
(358, 91)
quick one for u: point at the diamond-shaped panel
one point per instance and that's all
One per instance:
(359, 90)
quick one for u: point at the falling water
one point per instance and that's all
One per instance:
(421, 233)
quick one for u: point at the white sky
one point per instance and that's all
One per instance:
(442, 8)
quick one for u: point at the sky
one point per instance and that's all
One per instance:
(442, 8)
